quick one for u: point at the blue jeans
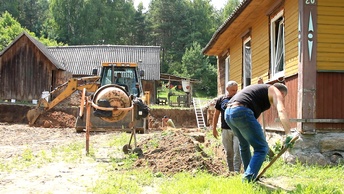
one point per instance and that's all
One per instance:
(249, 132)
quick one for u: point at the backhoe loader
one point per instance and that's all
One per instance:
(122, 79)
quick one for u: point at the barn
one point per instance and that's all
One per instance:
(299, 43)
(27, 69)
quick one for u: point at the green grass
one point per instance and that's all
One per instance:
(120, 175)
(301, 178)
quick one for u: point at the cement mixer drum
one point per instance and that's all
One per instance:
(111, 96)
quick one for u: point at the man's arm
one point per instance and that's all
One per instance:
(276, 98)
(215, 120)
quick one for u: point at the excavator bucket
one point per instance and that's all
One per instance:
(33, 114)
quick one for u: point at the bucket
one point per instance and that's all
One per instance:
(13, 100)
(34, 101)
(46, 95)
(186, 85)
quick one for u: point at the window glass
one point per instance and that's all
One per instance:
(277, 46)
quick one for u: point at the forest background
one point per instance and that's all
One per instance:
(181, 27)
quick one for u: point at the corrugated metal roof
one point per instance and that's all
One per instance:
(81, 60)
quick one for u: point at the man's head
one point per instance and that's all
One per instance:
(282, 88)
(165, 118)
(231, 88)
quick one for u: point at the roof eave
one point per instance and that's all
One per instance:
(236, 13)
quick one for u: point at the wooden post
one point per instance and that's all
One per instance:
(88, 125)
(306, 107)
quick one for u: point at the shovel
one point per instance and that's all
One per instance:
(284, 149)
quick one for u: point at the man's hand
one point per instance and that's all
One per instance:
(215, 133)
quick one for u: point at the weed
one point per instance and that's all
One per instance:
(27, 155)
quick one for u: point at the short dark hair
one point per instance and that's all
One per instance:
(281, 87)
(165, 117)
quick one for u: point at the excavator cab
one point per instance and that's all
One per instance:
(122, 74)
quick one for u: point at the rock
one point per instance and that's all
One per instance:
(332, 142)
(47, 124)
(313, 159)
(337, 158)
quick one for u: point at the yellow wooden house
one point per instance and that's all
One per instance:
(298, 42)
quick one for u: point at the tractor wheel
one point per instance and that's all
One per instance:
(126, 148)
(138, 151)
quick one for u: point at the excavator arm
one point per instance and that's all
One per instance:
(91, 84)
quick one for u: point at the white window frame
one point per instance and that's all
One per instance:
(277, 47)
(249, 68)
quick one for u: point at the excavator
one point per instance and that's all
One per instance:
(115, 99)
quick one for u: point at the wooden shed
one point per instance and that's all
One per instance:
(27, 69)
(299, 42)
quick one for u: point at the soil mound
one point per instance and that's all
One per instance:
(175, 151)
(56, 119)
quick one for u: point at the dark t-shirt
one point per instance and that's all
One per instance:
(221, 105)
(254, 97)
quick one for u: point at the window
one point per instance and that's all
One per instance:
(247, 62)
(227, 63)
(277, 46)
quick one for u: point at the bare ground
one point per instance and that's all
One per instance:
(168, 152)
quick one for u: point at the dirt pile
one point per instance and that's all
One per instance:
(56, 119)
(175, 151)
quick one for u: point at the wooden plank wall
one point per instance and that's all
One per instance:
(290, 104)
(330, 37)
(291, 16)
(330, 100)
(260, 48)
(25, 72)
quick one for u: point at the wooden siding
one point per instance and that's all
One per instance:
(330, 103)
(271, 115)
(291, 14)
(236, 62)
(260, 48)
(149, 86)
(330, 56)
(25, 72)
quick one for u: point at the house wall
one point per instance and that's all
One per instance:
(271, 116)
(330, 56)
(330, 104)
(259, 31)
(236, 62)
(260, 48)
(25, 72)
(291, 37)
